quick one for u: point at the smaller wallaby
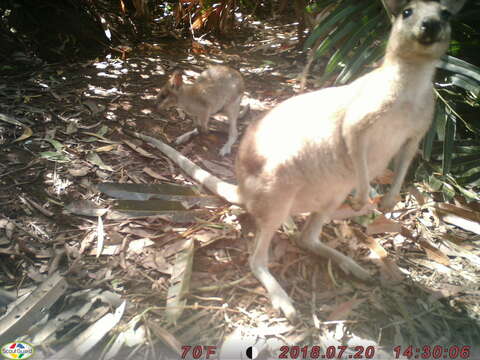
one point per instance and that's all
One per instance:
(310, 151)
(218, 89)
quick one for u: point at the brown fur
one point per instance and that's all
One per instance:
(250, 163)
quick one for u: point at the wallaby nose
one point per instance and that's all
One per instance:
(430, 29)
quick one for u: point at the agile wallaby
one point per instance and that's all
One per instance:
(309, 152)
(218, 89)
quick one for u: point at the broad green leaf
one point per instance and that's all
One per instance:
(463, 148)
(448, 144)
(366, 57)
(361, 53)
(53, 156)
(430, 136)
(331, 41)
(458, 66)
(440, 120)
(448, 191)
(349, 45)
(56, 144)
(470, 195)
(337, 15)
(473, 179)
(434, 183)
(466, 83)
(466, 161)
(319, 5)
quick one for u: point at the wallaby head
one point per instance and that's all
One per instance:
(421, 28)
(168, 96)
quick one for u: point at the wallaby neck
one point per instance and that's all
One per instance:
(186, 89)
(409, 75)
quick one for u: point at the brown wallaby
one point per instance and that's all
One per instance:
(218, 89)
(309, 152)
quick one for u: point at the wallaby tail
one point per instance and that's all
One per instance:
(219, 187)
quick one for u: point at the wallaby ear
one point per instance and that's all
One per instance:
(454, 6)
(395, 6)
(175, 80)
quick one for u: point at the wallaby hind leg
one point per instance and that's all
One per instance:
(310, 239)
(266, 227)
(232, 110)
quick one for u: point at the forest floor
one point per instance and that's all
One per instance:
(64, 134)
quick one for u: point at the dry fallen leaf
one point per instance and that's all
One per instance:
(343, 310)
(382, 225)
(180, 282)
(389, 271)
(79, 171)
(140, 150)
(217, 169)
(433, 253)
(85, 208)
(154, 174)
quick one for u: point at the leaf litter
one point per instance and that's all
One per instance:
(132, 270)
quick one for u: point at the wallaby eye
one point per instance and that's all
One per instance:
(446, 15)
(406, 13)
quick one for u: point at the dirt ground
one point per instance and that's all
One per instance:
(65, 134)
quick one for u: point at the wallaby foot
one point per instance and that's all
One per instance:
(281, 302)
(278, 297)
(387, 203)
(310, 239)
(359, 201)
(226, 149)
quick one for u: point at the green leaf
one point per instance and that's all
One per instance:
(464, 148)
(434, 183)
(349, 46)
(430, 136)
(458, 66)
(466, 161)
(337, 15)
(367, 56)
(448, 191)
(331, 41)
(473, 179)
(56, 144)
(53, 156)
(448, 144)
(440, 120)
(466, 83)
(470, 195)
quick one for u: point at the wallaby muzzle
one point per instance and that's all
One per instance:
(430, 31)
